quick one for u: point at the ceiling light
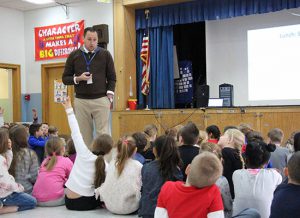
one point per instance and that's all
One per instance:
(39, 2)
(103, 1)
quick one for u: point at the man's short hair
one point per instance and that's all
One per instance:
(90, 29)
(276, 135)
(294, 167)
(205, 170)
(190, 134)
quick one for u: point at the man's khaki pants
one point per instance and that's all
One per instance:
(90, 111)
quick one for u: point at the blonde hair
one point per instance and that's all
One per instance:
(237, 138)
(203, 137)
(53, 148)
(205, 170)
(126, 148)
(211, 147)
(245, 128)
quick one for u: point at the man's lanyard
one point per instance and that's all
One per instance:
(88, 62)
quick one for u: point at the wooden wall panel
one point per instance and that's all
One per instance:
(261, 119)
(173, 118)
(130, 124)
(233, 117)
(287, 121)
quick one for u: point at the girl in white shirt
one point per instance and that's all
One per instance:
(121, 189)
(88, 171)
(255, 185)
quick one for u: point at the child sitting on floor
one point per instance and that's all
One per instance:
(53, 174)
(88, 171)
(199, 196)
(25, 166)
(36, 141)
(255, 185)
(222, 182)
(12, 197)
(286, 196)
(121, 189)
(156, 173)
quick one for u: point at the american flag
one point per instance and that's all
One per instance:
(145, 57)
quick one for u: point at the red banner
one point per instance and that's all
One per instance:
(58, 41)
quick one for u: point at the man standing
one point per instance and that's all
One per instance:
(91, 70)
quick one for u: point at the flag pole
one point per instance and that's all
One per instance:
(147, 12)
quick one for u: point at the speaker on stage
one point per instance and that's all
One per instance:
(102, 31)
(226, 92)
(202, 95)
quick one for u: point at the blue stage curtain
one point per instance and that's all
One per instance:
(201, 10)
(161, 68)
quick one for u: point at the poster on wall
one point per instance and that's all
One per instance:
(184, 86)
(60, 91)
(58, 41)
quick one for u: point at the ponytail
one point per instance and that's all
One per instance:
(102, 145)
(50, 162)
(126, 148)
(100, 171)
(271, 147)
(53, 148)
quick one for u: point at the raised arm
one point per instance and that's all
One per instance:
(35, 118)
(80, 146)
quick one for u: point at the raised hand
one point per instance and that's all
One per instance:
(34, 113)
(67, 103)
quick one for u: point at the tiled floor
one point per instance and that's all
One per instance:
(62, 212)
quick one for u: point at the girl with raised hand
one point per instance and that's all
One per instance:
(121, 189)
(24, 167)
(12, 197)
(156, 173)
(88, 171)
(53, 174)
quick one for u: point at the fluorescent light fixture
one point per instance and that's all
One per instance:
(39, 2)
(103, 1)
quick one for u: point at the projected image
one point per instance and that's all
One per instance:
(274, 63)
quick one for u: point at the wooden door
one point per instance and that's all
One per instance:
(53, 113)
(16, 90)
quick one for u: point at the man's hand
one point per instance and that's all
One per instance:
(67, 104)
(84, 77)
(110, 97)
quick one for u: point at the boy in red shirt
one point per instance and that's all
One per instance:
(199, 197)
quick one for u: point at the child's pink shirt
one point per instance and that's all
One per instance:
(49, 185)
